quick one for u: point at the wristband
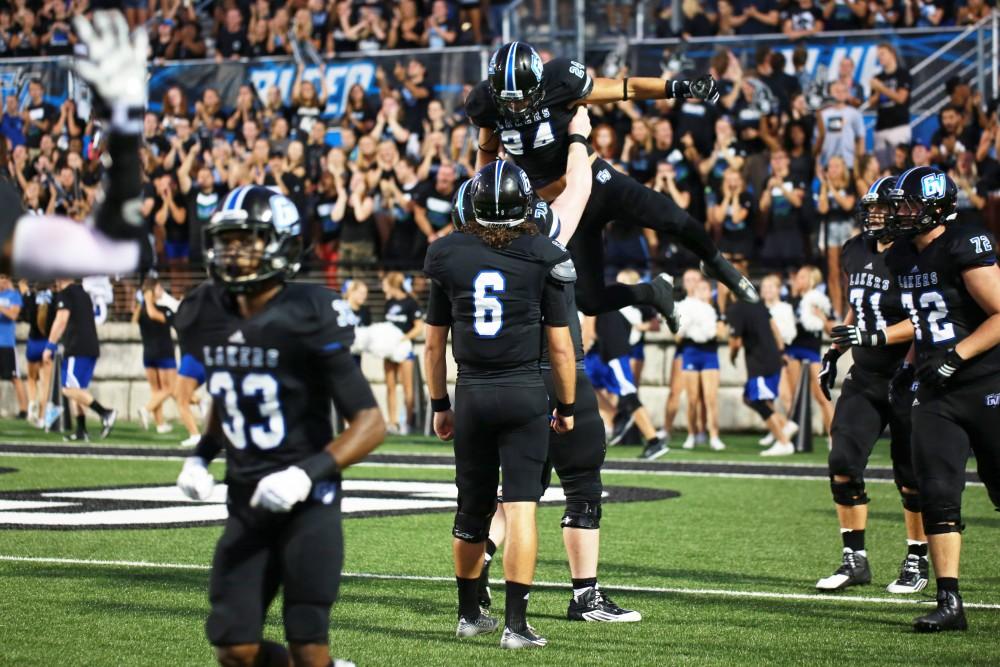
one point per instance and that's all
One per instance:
(880, 338)
(578, 139)
(673, 89)
(321, 466)
(52, 347)
(625, 89)
(127, 119)
(441, 404)
(565, 409)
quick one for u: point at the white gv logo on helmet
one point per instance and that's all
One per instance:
(933, 186)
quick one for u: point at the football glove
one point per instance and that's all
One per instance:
(828, 372)
(280, 491)
(846, 336)
(939, 368)
(195, 481)
(705, 88)
(115, 64)
(901, 386)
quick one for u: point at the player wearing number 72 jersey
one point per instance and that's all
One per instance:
(275, 357)
(948, 276)
(879, 330)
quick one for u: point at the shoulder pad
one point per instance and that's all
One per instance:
(564, 272)
(973, 245)
(567, 80)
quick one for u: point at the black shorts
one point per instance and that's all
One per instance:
(500, 427)
(8, 364)
(301, 551)
(947, 426)
(579, 454)
(861, 414)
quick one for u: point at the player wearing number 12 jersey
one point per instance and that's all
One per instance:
(879, 330)
(496, 286)
(275, 357)
(949, 281)
(524, 107)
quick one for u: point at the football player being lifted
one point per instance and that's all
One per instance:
(276, 354)
(949, 281)
(577, 456)
(879, 331)
(524, 109)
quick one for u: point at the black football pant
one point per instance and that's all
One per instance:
(948, 425)
(302, 551)
(616, 196)
(498, 428)
(861, 414)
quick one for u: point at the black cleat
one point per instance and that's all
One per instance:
(79, 436)
(594, 605)
(853, 571)
(719, 268)
(663, 301)
(912, 576)
(949, 615)
(526, 638)
(108, 422)
(622, 424)
(653, 451)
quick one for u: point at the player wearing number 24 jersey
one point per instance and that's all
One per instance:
(948, 277)
(275, 358)
(879, 332)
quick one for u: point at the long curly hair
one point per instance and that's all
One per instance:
(499, 237)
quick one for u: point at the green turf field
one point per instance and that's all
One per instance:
(723, 573)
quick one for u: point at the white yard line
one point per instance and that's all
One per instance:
(669, 590)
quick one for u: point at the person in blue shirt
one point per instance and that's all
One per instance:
(10, 308)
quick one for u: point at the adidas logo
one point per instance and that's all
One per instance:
(868, 266)
(237, 337)
(915, 270)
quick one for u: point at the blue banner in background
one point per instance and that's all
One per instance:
(340, 77)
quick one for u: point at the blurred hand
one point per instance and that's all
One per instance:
(580, 123)
(444, 425)
(561, 425)
(116, 62)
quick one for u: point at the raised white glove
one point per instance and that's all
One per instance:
(279, 491)
(115, 65)
(195, 481)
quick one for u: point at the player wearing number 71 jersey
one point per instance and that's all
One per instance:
(275, 357)
(864, 408)
(948, 276)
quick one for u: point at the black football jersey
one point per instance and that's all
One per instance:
(933, 291)
(269, 375)
(496, 302)
(875, 302)
(537, 145)
(548, 223)
(80, 338)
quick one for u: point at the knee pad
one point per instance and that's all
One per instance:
(761, 408)
(582, 514)
(849, 494)
(911, 501)
(307, 623)
(945, 520)
(472, 528)
(629, 403)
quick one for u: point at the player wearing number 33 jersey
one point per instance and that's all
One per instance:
(275, 358)
(948, 277)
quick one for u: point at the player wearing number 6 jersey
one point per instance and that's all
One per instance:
(524, 107)
(496, 286)
(948, 278)
(275, 357)
(877, 317)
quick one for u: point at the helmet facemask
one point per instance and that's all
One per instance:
(246, 256)
(874, 217)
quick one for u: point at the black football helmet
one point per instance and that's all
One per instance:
(254, 239)
(515, 76)
(874, 209)
(501, 195)
(461, 206)
(923, 198)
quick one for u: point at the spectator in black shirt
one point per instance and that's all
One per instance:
(890, 93)
(170, 218)
(952, 138)
(160, 45)
(414, 91)
(57, 37)
(357, 231)
(780, 206)
(755, 17)
(840, 15)
(442, 26)
(38, 116)
(27, 37)
(307, 102)
(732, 220)
(75, 318)
(158, 355)
(359, 112)
(204, 196)
(231, 41)
(802, 20)
(406, 29)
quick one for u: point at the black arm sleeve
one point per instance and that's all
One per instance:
(438, 307)
(554, 311)
(119, 215)
(349, 389)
